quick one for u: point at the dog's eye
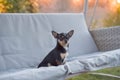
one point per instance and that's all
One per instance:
(60, 36)
(67, 38)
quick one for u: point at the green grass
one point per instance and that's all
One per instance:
(87, 76)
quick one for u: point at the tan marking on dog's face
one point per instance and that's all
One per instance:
(62, 43)
(63, 55)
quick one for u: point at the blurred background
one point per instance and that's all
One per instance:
(107, 12)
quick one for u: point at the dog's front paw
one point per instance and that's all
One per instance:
(49, 64)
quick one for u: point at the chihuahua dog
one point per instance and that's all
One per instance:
(58, 54)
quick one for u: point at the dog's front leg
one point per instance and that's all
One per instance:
(59, 62)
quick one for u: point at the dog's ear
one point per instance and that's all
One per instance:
(55, 34)
(70, 33)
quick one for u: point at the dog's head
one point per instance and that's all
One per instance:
(63, 38)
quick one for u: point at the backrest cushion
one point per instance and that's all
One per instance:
(25, 39)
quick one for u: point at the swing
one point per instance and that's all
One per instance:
(25, 39)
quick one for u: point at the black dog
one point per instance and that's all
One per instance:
(57, 55)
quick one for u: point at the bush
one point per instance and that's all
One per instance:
(17, 6)
(113, 19)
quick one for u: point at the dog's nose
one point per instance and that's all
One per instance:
(66, 41)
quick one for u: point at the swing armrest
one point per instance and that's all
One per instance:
(107, 39)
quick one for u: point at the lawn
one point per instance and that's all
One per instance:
(88, 76)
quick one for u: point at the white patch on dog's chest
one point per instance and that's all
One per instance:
(67, 54)
(64, 55)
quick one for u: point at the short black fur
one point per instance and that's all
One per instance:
(57, 55)
(53, 57)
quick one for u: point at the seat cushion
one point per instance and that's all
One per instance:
(35, 74)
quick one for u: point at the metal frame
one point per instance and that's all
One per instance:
(94, 10)
(92, 17)
(85, 7)
(106, 75)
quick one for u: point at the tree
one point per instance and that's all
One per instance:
(2, 7)
(113, 19)
(18, 6)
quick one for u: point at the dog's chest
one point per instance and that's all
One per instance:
(63, 55)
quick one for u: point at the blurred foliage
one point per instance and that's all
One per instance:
(94, 24)
(88, 76)
(112, 19)
(18, 6)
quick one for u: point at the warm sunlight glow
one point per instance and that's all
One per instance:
(46, 3)
(118, 1)
(90, 1)
(113, 3)
(75, 4)
(76, 1)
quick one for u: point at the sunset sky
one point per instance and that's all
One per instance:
(75, 5)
